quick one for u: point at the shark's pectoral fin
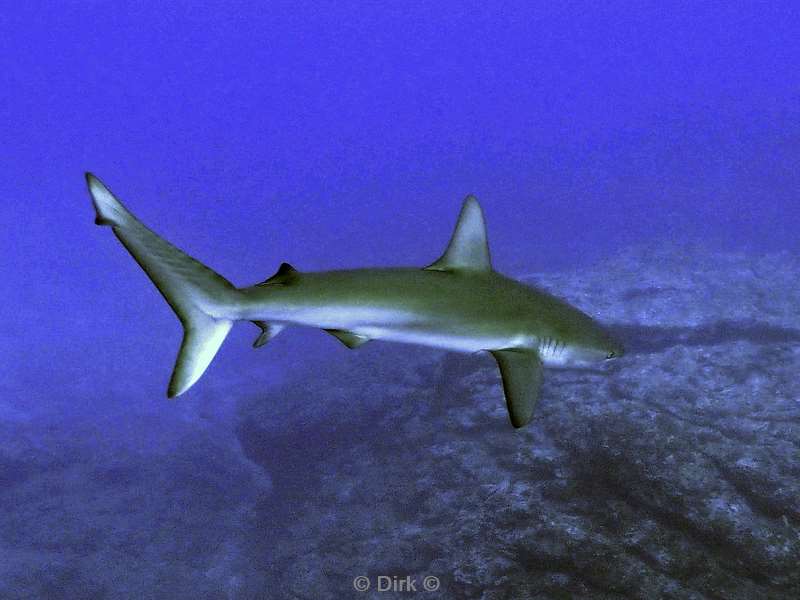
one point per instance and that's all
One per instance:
(521, 371)
(468, 249)
(268, 331)
(348, 338)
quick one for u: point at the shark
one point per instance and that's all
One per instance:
(458, 303)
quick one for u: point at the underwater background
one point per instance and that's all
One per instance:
(641, 160)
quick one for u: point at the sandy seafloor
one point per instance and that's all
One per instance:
(671, 473)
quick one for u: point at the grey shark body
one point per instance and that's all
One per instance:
(457, 303)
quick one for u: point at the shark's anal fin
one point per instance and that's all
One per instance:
(348, 338)
(285, 274)
(468, 249)
(521, 371)
(268, 331)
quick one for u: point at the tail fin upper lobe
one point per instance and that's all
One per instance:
(200, 297)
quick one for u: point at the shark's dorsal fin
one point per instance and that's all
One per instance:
(468, 249)
(521, 371)
(286, 273)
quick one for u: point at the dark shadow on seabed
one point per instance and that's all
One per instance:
(644, 339)
(603, 496)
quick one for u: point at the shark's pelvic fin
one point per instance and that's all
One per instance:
(200, 297)
(468, 248)
(285, 274)
(521, 371)
(348, 338)
(268, 331)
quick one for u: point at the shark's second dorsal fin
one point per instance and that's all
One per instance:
(468, 249)
(286, 273)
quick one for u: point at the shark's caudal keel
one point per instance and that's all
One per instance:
(458, 303)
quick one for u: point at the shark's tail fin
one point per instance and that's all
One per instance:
(200, 297)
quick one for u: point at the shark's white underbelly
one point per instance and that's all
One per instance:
(394, 325)
(348, 318)
(436, 339)
(398, 326)
(549, 354)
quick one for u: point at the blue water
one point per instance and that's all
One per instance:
(343, 136)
